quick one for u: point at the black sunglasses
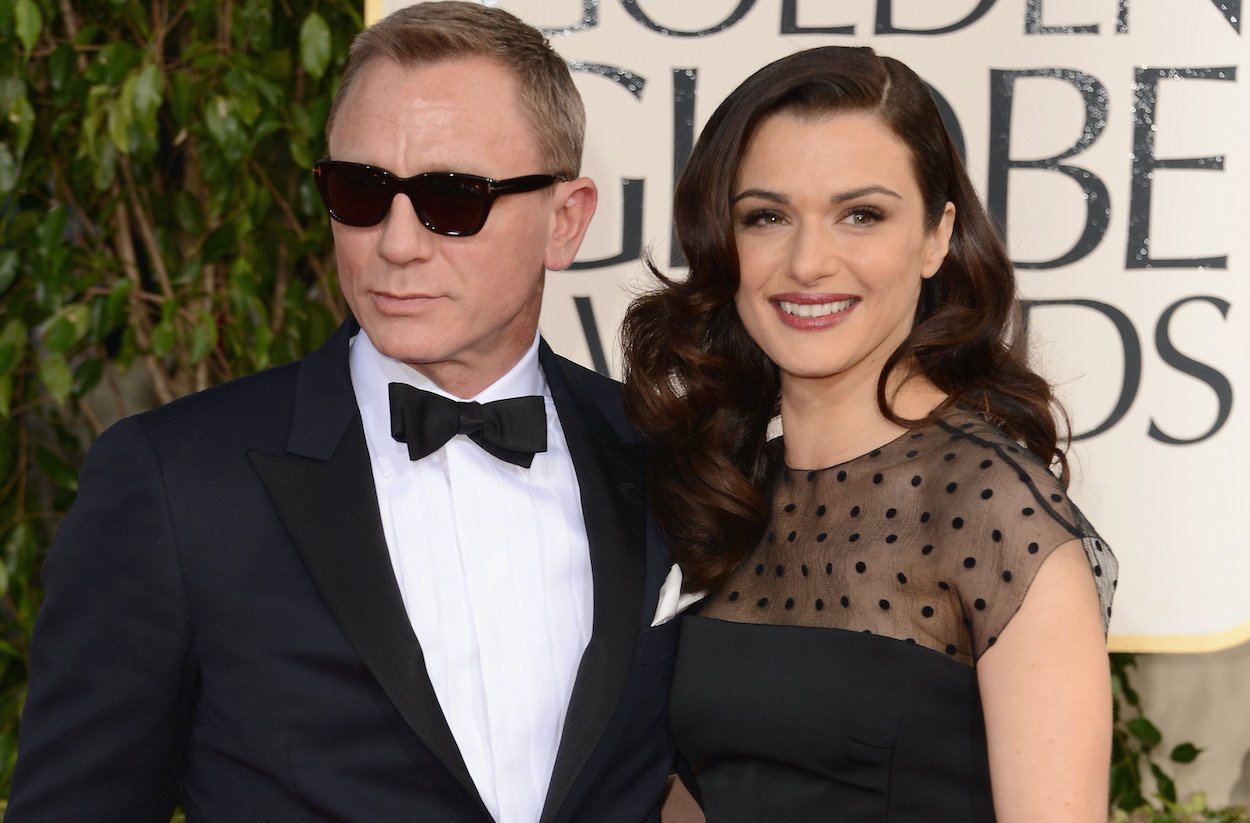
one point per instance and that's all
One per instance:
(447, 202)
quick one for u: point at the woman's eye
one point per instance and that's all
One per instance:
(761, 217)
(863, 217)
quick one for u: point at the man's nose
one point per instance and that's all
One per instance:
(404, 237)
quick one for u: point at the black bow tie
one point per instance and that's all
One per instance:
(513, 430)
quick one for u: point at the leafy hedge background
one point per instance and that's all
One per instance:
(160, 233)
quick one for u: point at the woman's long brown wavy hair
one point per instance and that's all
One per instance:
(703, 392)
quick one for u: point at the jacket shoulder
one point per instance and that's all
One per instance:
(264, 391)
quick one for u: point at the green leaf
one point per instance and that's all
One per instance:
(302, 121)
(1167, 787)
(242, 284)
(224, 127)
(87, 33)
(203, 337)
(16, 112)
(80, 316)
(70, 325)
(223, 242)
(190, 272)
(120, 118)
(309, 203)
(8, 169)
(58, 335)
(1121, 778)
(266, 127)
(1131, 800)
(63, 121)
(14, 542)
(10, 355)
(149, 88)
(101, 323)
(93, 113)
(56, 376)
(244, 100)
(14, 334)
(106, 167)
(181, 98)
(61, 473)
(163, 338)
(1145, 731)
(6, 395)
(8, 269)
(61, 66)
(204, 13)
(11, 88)
(1186, 753)
(272, 93)
(51, 231)
(28, 22)
(188, 212)
(112, 63)
(300, 153)
(277, 65)
(87, 375)
(127, 351)
(254, 25)
(314, 45)
(119, 294)
(22, 118)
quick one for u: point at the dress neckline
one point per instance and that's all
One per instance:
(909, 434)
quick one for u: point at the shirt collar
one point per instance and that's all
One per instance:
(373, 372)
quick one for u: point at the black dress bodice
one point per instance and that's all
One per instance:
(833, 676)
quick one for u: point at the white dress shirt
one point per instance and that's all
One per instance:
(493, 565)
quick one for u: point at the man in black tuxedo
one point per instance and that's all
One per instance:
(410, 577)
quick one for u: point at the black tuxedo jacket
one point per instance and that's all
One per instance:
(222, 620)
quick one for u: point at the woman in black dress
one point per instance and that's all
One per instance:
(906, 613)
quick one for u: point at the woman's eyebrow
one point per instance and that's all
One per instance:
(839, 197)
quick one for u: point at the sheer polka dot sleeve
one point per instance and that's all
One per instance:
(1017, 514)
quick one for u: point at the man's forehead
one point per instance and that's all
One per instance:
(466, 82)
(456, 114)
(459, 74)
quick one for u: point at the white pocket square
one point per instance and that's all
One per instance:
(672, 601)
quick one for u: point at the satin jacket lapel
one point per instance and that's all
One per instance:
(322, 490)
(609, 475)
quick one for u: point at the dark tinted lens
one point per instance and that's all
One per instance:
(358, 196)
(451, 205)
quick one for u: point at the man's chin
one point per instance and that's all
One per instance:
(410, 353)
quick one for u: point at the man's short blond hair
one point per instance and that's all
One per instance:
(432, 32)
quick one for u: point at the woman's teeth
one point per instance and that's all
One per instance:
(814, 309)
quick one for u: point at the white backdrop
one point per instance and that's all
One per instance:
(1109, 136)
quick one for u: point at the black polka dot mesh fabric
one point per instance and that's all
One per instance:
(932, 539)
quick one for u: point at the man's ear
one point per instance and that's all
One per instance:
(574, 204)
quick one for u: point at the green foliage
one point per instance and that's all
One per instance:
(1134, 741)
(157, 219)
(1193, 810)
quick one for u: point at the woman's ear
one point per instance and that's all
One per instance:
(939, 242)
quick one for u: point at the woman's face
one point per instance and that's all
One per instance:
(831, 238)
